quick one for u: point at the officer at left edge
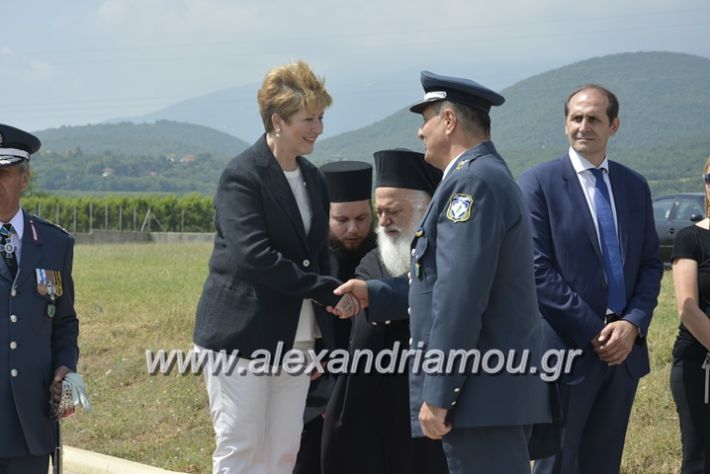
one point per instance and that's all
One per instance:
(38, 324)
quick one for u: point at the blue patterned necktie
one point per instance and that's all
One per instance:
(7, 249)
(610, 244)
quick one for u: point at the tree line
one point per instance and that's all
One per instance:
(167, 213)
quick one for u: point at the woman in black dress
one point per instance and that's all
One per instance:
(690, 374)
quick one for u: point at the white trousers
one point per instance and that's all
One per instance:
(257, 420)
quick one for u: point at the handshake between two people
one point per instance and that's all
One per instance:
(353, 299)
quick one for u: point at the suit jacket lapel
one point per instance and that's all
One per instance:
(578, 201)
(314, 197)
(276, 182)
(622, 212)
(31, 251)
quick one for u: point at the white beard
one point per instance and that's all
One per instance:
(395, 251)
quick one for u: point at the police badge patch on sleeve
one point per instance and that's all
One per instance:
(460, 207)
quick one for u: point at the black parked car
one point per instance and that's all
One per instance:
(673, 212)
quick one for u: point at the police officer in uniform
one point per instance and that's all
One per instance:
(472, 287)
(351, 237)
(38, 324)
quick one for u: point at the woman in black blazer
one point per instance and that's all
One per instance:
(267, 269)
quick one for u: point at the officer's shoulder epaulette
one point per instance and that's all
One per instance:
(41, 220)
(462, 164)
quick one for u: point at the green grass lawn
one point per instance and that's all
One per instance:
(136, 297)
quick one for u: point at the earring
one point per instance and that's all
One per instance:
(278, 132)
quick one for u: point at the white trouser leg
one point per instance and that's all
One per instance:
(238, 405)
(257, 420)
(284, 420)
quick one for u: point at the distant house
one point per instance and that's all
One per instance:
(188, 159)
(106, 172)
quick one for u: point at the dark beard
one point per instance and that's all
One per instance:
(352, 256)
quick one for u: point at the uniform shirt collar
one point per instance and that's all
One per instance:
(580, 163)
(18, 223)
(451, 164)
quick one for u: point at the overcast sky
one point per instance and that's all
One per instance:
(83, 61)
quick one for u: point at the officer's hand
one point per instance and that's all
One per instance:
(57, 383)
(358, 290)
(348, 306)
(433, 421)
(616, 341)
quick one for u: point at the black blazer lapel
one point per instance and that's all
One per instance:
(620, 203)
(276, 183)
(310, 177)
(579, 203)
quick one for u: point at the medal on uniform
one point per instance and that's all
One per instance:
(41, 281)
(8, 248)
(58, 283)
(51, 306)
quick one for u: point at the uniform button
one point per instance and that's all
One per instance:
(13, 292)
(374, 323)
(13, 345)
(13, 372)
(306, 263)
(410, 282)
(411, 340)
(13, 318)
(388, 322)
(409, 311)
(414, 252)
(457, 390)
(453, 403)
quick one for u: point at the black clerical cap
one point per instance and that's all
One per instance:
(348, 180)
(16, 145)
(404, 168)
(455, 89)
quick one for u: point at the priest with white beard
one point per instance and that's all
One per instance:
(366, 426)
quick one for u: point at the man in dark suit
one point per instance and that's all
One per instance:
(598, 276)
(39, 328)
(472, 289)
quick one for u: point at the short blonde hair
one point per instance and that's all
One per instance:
(289, 88)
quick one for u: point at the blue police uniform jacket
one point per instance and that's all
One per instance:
(34, 341)
(472, 287)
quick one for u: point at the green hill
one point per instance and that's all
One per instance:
(665, 118)
(160, 157)
(665, 133)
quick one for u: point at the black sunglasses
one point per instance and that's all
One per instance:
(706, 177)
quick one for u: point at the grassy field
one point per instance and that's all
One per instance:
(136, 297)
